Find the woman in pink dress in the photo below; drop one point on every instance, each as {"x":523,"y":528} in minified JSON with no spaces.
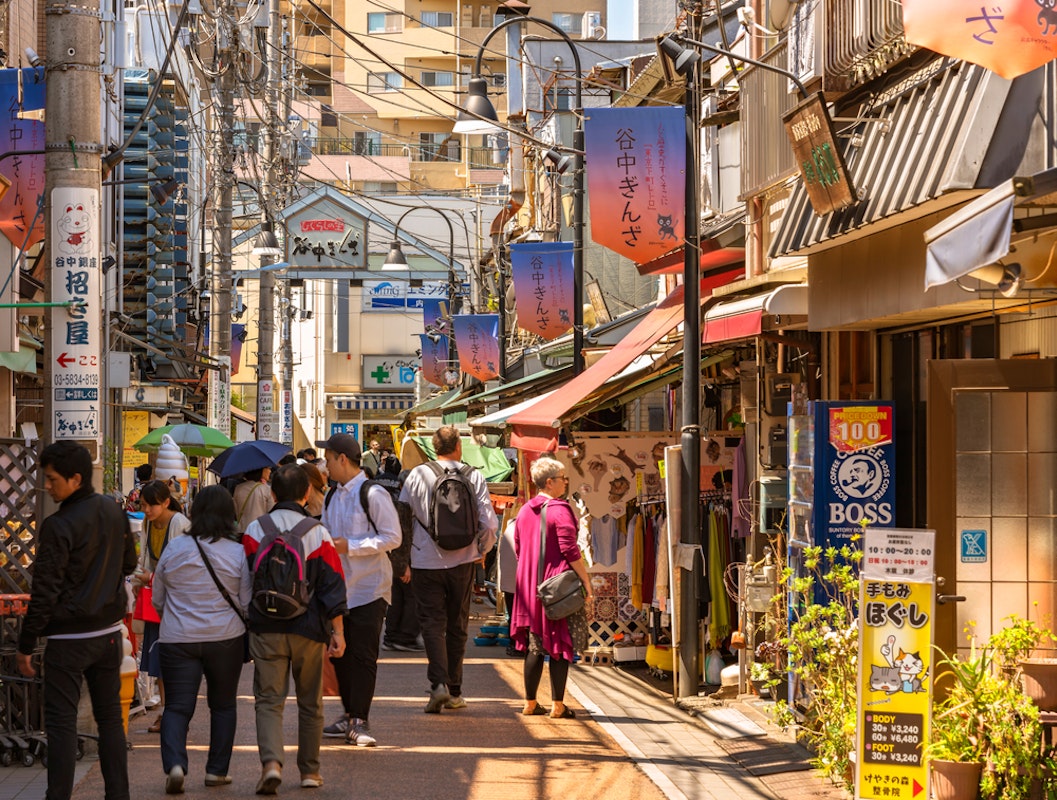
{"x":529,"y":626}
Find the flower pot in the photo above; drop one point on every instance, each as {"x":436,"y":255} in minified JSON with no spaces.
{"x":955,"y":780}
{"x":1038,"y":676}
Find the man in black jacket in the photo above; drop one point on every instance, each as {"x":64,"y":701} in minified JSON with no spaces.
{"x":78,"y":600}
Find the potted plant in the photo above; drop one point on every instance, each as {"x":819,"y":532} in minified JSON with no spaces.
{"x":762,"y":677}
{"x":1014,"y":647}
{"x":986,"y":737}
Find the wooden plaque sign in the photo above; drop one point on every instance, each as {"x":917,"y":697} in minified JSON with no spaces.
{"x":820,"y":160}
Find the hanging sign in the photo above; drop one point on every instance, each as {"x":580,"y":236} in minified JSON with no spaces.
{"x":820,"y":159}
{"x":1009,"y":38}
{"x":22,"y":90}
{"x":434,"y":309}
{"x":897,"y":602}
{"x":435,"y":351}
{"x":543,"y":287}
{"x":637,"y":179}
{"x":477,"y":340}
{"x":325,"y":233}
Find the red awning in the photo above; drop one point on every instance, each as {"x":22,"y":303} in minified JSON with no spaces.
{"x":536,"y":427}
{"x":712,"y":257}
{"x":744,"y":317}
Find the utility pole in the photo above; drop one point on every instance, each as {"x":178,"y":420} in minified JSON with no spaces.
{"x":73,"y":334}
{"x":223,"y":184}
{"x":267,"y":419}
{"x":289,"y":152}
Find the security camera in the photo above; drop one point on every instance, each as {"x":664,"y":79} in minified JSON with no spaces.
{"x":34,"y":59}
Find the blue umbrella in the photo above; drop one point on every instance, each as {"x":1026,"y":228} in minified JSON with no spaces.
{"x":248,"y":456}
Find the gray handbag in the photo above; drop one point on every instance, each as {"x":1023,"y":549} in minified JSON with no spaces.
{"x":563,"y":594}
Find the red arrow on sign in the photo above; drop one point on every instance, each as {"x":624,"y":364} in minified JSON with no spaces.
{"x":918,"y":789}
{"x":65,"y":360}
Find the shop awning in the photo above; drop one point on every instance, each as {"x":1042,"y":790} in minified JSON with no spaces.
{"x":980,"y":233}
{"x":535,"y":428}
{"x":744,"y":317}
{"x":435,"y":403}
{"x":25,"y":360}
{"x":373,"y":402}
{"x":498,"y":419}
{"x":722,"y":245}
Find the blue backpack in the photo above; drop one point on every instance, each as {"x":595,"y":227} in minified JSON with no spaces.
{"x":280,"y":584}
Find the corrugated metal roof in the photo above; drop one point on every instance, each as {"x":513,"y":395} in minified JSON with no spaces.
{"x":940,"y":121}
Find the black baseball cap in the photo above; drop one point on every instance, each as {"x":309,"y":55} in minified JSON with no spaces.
{"x":345,"y":444}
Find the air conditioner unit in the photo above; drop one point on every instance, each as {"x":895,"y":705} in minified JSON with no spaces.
{"x":591,"y":20}
{"x":176,"y":395}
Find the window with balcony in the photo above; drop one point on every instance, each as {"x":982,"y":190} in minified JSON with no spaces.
{"x":367,"y":143}
{"x":484,"y":19}
{"x":437,"y":19}
{"x":438,"y":78}
{"x":438,"y":147}
{"x":570,"y":23}
{"x":381,"y":22}
{"x":378,"y":82}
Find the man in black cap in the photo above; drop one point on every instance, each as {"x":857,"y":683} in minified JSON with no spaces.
{"x":362,"y":542}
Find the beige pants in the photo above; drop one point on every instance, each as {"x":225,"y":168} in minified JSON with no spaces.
{"x":275,"y":657}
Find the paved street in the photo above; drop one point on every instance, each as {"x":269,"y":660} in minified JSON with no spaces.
{"x":628,"y":742}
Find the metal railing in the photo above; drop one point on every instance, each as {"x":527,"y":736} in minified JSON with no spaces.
{"x":862,"y":38}
{"x":452,"y":152}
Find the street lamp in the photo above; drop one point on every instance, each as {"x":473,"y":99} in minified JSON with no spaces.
{"x":479,"y":116}
{"x":397,"y":261}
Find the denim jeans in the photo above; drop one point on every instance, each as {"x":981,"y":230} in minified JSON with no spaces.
{"x":357,"y":669}
{"x":443,"y":597}
{"x":98,"y":662}
{"x":182,"y":666}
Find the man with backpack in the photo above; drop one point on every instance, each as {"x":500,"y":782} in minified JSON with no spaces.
{"x":454,"y":527}
{"x":363,"y":521}
{"x":296,"y":615}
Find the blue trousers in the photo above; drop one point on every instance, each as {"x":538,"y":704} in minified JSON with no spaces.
{"x":182,"y":667}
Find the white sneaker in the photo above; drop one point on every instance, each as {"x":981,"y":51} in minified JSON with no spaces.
{"x":456,"y":703}
{"x":437,"y":698}
{"x":174,"y":781}
{"x":360,"y":734}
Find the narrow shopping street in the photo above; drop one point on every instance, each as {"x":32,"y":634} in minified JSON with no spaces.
{"x":628,"y":741}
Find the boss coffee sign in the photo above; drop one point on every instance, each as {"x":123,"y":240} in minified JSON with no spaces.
{"x":855,"y":469}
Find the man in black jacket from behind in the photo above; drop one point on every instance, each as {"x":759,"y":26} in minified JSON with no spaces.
{"x":78,"y":600}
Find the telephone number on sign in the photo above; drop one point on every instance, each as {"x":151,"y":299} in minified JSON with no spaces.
{"x":75,"y":379}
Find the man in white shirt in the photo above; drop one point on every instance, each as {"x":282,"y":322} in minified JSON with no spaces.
{"x":443,"y":579}
{"x":363,"y":544}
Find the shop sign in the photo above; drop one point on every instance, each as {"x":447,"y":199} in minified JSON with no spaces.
{"x":325,"y":234}
{"x":855,"y":476}
{"x":389,"y":373}
{"x":897,"y":603}
{"x":351,"y":428}
{"x":77,"y":331}
{"x":400,"y":295}
{"x":818,"y":156}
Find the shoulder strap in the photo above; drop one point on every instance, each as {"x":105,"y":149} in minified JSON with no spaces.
{"x":365,"y":489}
{"x":302,"y":527}
{"x":268,"y":525}
{"x":246,"y":501}
{"x":543,"y":544}
{"x":329,"y":496}
{"x":216,"y":580}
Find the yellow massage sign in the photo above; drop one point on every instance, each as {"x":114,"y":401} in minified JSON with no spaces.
{"x":896,"y":607}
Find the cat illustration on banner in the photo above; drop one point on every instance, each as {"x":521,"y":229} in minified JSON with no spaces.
{"x":665,"y":228}
{"x":902,"y":671}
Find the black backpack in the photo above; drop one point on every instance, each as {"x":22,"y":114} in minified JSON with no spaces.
{"x":452,"y":522}
{"x":280,"y":584}
{"x":400,"y":556}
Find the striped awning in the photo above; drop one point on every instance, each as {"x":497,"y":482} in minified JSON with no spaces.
{"x":373,"y":402}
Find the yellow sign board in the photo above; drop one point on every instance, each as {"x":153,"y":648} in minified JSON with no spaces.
{"x":137,"y":425}
{"x":895,"y":668}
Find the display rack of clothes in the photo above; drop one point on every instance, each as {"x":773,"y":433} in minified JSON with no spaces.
{"x":715,"y":516}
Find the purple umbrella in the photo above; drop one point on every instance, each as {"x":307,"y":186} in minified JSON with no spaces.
{"x":248,"y":456}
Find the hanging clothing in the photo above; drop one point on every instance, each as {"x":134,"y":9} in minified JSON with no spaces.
{"x":605,"y":540}
{"x":718,"y":558}
{"x":740,"y":506}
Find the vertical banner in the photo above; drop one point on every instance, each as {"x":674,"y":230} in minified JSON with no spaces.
{"x":543,"y":287}
{"x":897,"y":602}
{"x":22,"y":90}
{"x":77,"y":330}
{"x":477,"y":340}
{"x":854,"y":471}
{"x":434,"y":358}
{"x":637,"y":179}
{"x":137,"y":425}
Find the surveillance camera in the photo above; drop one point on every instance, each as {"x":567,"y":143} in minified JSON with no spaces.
{"x":34,"y":59}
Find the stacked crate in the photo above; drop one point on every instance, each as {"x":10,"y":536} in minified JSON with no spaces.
{"x":21,"y":699}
